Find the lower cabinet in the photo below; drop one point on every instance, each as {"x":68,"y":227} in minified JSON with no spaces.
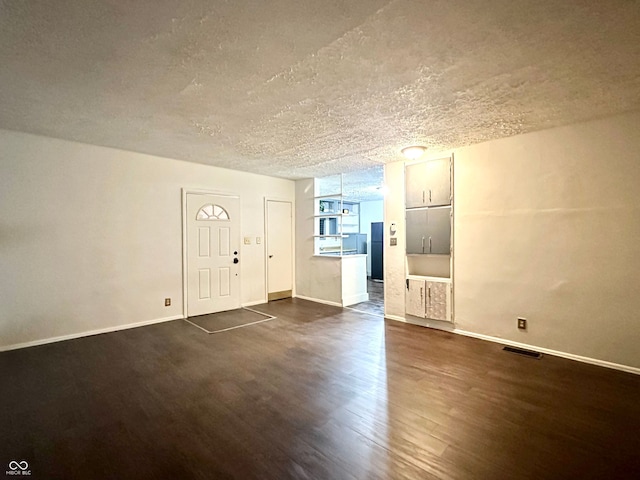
{"x":415,"y":298}
{"x":428,"y":297}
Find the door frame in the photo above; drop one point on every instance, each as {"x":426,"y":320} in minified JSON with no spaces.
{"x":185,"y":280}
{"x":266,"y":244}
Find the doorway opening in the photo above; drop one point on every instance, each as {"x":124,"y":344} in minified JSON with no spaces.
{"x":279,"y":238}
{"x":359,"y":214}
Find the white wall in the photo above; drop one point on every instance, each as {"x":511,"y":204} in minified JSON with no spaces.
{"x":394,"y":255}
{"x":371,"y":211}
{"x":91,"y":237}
{"x":547,"y":226}
{"x":354,"y":279}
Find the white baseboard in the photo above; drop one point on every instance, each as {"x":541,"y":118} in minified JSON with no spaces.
{"x":451,"y":328}
{"x":429,"y":323}
{"x":88,"y":333}
{"x":317,"y":300}
{"x":353,"y":299}
{"x":570,"y":356}
{"x":548,"y":351}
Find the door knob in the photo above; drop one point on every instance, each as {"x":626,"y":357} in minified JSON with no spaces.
{"x":235,"y":260}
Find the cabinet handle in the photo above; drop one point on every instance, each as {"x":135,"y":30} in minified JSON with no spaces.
{"x":421,"y":294}
{"x":429,"y":293}
{"x":422,"y":196}
{"x":429,"y":195}
{"x":422,"y":244}
{"x":429,"y":244}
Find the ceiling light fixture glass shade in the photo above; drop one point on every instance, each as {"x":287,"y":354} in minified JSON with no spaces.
{"x":414,"y":152}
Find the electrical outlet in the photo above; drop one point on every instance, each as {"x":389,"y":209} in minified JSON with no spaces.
{"x":258,"y":240}
{"x":522,"y":323}
{"x":247,"y":240}
{"x":167,"y":302}
{"x":393,"y":241}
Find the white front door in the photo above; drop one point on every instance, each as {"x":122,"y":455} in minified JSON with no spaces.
{"x":213,"y":253}
{"x":279,"y":250}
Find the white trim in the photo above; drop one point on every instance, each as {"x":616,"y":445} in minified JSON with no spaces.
{"x":424,"y":322}
{"x":196,"y":325}
{"x":260,"y":313}
{"x":241,"y":326}
{"x":317,"y":300}
{"x":488,"y":338}
{"x":269,"y":317}
{"x":428,"y":278}
{"x":183,"y":213}
{"x":353,"y":299}
{"x":265,"y":246}
{"x":452,"y":259}
{"x":335,"y":196}
{"x":570,"y":356}
{"x":204,"y":191}
{"x":89,"y":333}
{"x":364,"y":311}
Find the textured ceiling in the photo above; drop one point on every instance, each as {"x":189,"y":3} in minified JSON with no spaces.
{"x":359,"y":186}
{"x":300,"y":88}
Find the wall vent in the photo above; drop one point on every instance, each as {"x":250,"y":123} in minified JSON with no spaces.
{"x":526,"y":353}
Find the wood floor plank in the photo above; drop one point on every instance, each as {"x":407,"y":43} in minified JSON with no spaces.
{"x":320,"y":392}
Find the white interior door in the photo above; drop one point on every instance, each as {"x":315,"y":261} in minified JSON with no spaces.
{"x":279,"y":249}
{"x":213,"y":248}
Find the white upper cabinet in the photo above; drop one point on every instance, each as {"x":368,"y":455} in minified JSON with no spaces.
{"x":428,"y":184}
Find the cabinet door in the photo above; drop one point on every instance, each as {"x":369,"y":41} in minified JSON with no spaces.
{"x":436,"y":301}
{"x":415,"y":185}
{"x":428,"y":184}
{"x":438,"y":182}
{"x":415,"y":298}
{"x":417,"y":226}
{"x":438,"y":231}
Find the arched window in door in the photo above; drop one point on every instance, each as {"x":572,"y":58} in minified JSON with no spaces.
{"x":212,"y":212}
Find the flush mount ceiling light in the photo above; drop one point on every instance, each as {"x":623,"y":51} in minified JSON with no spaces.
{"x":414,"y":152}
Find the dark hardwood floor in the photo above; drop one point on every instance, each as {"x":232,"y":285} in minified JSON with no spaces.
{"x":318,"y":393}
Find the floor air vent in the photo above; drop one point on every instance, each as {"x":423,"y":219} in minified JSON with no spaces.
{"x":521,"y":351}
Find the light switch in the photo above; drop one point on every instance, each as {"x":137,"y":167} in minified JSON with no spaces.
{"x":247,"y":240}
{"x":258,"y":240}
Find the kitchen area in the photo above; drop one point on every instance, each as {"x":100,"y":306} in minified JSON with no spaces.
{"x":350,"y":241}
{"x":345,"y":207}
